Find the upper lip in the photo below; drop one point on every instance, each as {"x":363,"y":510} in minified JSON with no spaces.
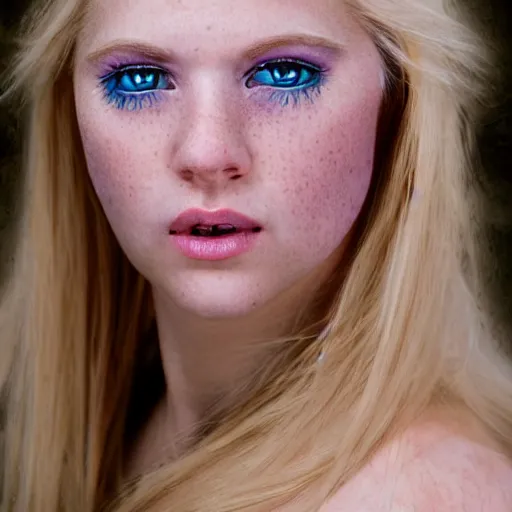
{"x":186,"y":220}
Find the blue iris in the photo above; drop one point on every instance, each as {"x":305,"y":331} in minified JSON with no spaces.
{"x":137,"y":86}
{"x":287,"y":74}
{"x":292,"y":80}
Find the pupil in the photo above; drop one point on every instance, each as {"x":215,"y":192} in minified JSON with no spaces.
{"x":285,"y":73}
{"x":139,"y":80}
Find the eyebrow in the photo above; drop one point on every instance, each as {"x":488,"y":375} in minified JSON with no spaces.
{"x":267,"y":45}
{"x":251,"y":53}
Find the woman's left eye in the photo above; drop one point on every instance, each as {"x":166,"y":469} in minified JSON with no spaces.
{"x":285,"y":74}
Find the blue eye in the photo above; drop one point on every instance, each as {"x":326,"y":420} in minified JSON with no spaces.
{"x":135,"y":87}
{"x":291,"y":80}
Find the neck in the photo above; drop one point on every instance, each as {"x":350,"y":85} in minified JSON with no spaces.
{"x":206,"y":360}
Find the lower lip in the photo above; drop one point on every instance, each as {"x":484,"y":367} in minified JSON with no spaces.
{"x":215,"y":248}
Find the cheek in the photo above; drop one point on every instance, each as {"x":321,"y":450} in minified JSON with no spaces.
{"x":327,"y":176}
{"x":337,"y":180}
{"x":100,"y":156}
{"x":120,"y":181}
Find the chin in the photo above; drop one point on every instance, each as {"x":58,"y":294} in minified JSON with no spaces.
{"x":218,"y":295}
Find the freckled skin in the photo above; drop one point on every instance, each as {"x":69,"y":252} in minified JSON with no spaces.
{"x":304,"y":171}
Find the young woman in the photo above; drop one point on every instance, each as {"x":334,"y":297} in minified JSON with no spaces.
{"x":247,"y":272}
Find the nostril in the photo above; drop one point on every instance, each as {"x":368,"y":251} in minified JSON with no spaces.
{"x":187,"y":175}
{"x":234,"y":173}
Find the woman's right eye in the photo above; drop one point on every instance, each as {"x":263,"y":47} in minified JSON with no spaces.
{"x":135,"y":87}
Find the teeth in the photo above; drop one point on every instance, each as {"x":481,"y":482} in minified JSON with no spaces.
{"x":223,"y":229}
{"x":201,"y":230}
{"x":217,"y":230}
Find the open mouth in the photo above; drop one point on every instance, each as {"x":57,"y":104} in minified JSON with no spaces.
{"x":216,"y":230}
{"x":214,"y":235}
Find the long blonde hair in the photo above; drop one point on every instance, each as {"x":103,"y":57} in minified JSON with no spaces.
{"x":408,"y":324}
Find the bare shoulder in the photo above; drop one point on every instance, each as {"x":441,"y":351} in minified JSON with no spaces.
{"x":430,"y":469}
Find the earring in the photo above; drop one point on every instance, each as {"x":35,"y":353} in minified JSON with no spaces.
{"x":320,"y":338}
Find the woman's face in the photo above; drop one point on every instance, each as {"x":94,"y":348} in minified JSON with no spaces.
{"x":263,"y":107}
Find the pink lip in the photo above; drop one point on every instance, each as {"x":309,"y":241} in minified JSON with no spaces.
{"x":214,"y":248}
{"x":189,"y":218}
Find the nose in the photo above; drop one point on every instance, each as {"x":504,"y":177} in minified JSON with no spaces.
{"x":212,"y":149}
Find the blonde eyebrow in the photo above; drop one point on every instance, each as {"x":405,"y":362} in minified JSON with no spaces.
{"x":267,"y":45}
{"x":153,"y":52}
{"x":252,"y":52}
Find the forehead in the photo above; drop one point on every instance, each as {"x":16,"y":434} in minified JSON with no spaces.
{"x":215,"y":24}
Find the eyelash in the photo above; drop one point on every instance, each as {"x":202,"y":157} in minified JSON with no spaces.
{"x":285,"y":96}
{"x":295,"y":94}
{"x":136,"y":100}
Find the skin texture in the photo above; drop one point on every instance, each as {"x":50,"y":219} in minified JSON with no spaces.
{"x":444,"y":463}
{"x":302,"y":171}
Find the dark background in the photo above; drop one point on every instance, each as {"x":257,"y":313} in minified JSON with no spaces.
{"x":495,"y":140}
